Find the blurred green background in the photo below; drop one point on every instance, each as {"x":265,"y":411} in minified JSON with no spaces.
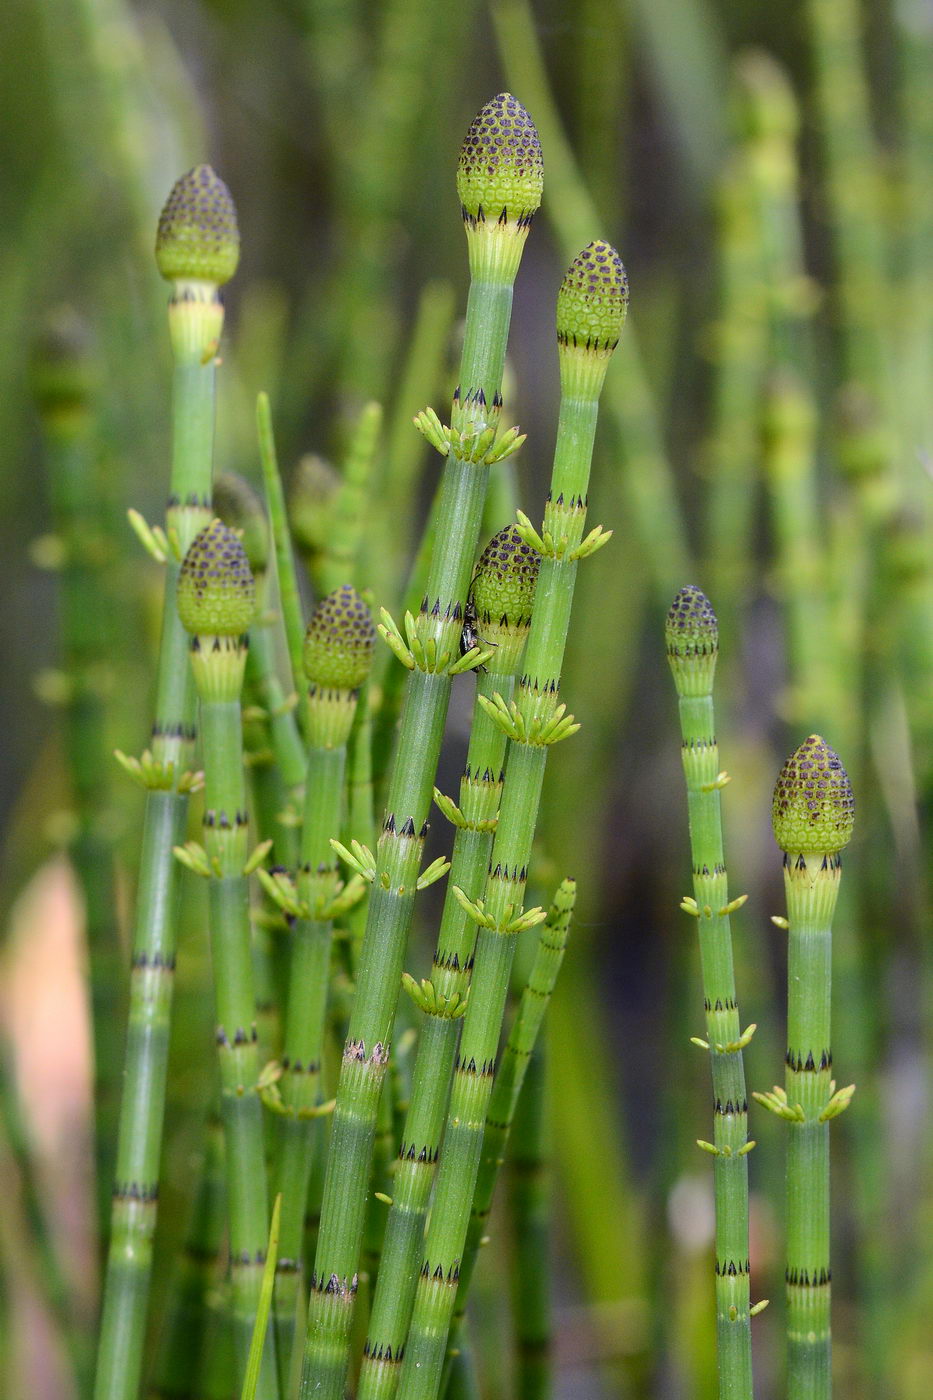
{"x":767,"y":174}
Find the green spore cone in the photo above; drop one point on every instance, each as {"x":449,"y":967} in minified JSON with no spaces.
{"x":500,"y":178}
{"x":813,"y":808}
{"x":691,"y":633}
{"x":216,"y":588}
{"x":337,"y":657}
{"x":501,"y":169}
{"x":591,"y":308}
{"x":338,"y":648}
{"x":198,"y":239}
{"x":503,"y":592}
{"x":240,"y":508}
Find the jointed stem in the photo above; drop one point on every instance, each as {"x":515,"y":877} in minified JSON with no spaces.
{"x":401,"y":1256}
{"x":129,"y":1262}
{"x":398,"y":861}
{"x":723,"y":1030}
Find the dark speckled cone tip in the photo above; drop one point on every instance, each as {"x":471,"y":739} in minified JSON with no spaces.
{"x":813,"y":809}
{"x":500,"y":174}
{"x":691,"y":633}
{"x":504,"y":582}
{"x":502,"y":595}
{"x":338,"y":648}
{"x":593,"y":299}
{"x":216,"y":588}
{"x":198,"y":239}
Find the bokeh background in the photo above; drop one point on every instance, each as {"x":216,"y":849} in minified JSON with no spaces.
{"x":767,"y":174}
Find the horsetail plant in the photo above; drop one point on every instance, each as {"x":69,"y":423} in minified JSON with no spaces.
{"x":692,"y":637}
{"x":499,"y":616}
{"x":812,"y":816}
{"x":216,"y":604}
{"x":591,"y":307}
{"x":197,"y":249}
{"x":499,"y":183}
{"x":337,"y":657}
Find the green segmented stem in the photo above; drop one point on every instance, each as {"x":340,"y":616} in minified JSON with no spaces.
{"x":812,"y":816}
{"x":225,"y":841}
{"x":399,"y":849}
{"x":692,"y":640}
{"x":584,"y":358}
{"x":507,"y":1095}
{"x":480,"y":788}
{"x":808,"y":1075}
{"x":129,"y":1260}
{"x":305,"y":1022}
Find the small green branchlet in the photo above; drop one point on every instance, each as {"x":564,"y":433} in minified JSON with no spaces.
{"x":197,"y":250}
{"x":591,"y":309}
{"x":502,"y":594}
{"x":500,"y":177}
{"x":337,"y":656}
{"x":691,"y":632}
{"x":216,"y":604}
{"x":239,"y":507}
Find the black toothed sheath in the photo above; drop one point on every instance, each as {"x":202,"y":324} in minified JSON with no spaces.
{"x":197,"y":249}
{"x":692,"y":637}
{"x":591,"y":310}
{"x":499,"y":184}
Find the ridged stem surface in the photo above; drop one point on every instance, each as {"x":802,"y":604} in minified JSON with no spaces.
{"x":507,"y":1094}
{"x":811,"y":898}
{"x":398,"y":861}
{"x":700,"y":755}
{"x":139,"y":1141}
{"x":225,"y":841}
{"x":538,"y":699}
{"x":305,"y":1026}
{"x":480,"y":788}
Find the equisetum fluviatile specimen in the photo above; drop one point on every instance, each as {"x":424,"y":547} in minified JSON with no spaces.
{"x":217,"y":603}
{"x":197,"y":250}
{"x":591,"y":307}
{"x":812,"y":815}
{"x":692,"y":637}
{"x":499,"y":184}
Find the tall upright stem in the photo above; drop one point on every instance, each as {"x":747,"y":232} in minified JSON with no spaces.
{"x":434,"y":651}
{"x":692,"y":644}
{"x":165,"y":773}
{"x":589,"y":325}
